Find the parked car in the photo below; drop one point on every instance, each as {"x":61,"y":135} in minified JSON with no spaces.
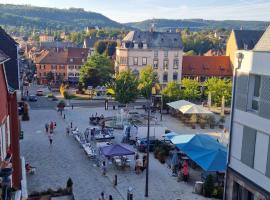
{"x":40,"y":93}
{"x":141,"y":144}
{"x":33,"y":98}
{"x":54,"y":98}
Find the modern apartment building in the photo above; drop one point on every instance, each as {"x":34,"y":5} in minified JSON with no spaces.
{"x":248,"y":175}
{"x":162,"y":50}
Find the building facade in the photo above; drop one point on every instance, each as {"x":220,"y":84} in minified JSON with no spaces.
{"x":162,"y":50}
{"x":46,"y":38}
{"x":248,"y":175}
{"x":64,"y":64}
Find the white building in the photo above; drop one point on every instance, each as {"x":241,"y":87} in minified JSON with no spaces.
{"x":248,"y":175}
{"x":162,"y":50}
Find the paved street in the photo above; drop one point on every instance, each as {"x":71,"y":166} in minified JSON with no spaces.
{"x":64,"y":159}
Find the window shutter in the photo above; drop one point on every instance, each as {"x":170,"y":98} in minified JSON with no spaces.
{"x":241,"y":93}
{"x":264,"y":104}
{"x":248,"y":146}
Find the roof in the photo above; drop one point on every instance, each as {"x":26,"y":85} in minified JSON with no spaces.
{"x":52,"y":57}
{"x":155,"y":39}
{"x":264,"y":42}
{"x":62,"y":56}
{"x":206,"y":66}
{"x":247,"y":39}
{"x":3,"y":57}
{"x":9,"y":47}
{"x":56,"y":44}
{"x":90,"y":41}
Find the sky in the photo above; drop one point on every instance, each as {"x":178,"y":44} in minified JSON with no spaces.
{"x":139,"y":10}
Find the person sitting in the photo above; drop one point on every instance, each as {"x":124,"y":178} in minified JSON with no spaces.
{"x":29,"y":169}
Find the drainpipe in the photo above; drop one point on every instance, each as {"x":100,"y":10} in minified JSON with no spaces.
{"x":240,"y":57}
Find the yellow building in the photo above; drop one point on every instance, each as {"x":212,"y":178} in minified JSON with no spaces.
{"x":241,"y":40}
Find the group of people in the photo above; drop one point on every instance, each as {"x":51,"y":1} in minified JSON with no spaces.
{"x":49,"y":128}
{"x":95,"y":119}
{"x":183,"y":171}
{"x":140,"y":165}
{"x":102,"y":197}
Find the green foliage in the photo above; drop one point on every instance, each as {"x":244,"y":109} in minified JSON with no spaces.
{"x":98,"y":70}
{"x":105,"y":47}
{"x":190,"y":89}
{"x":172,"y":92}
{"x":147,"y":81}
{"x":209,"y":186}
{"x":190,"y":53}
{"x":126,"y":87}
{"x":218,"y":88}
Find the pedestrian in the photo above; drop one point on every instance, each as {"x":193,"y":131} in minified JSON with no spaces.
{"x":101,"y":196}
{"x":54,"y":125}
{"x":144,"y":161}
{"x":185,"y":171}
{"x":50,"y":138}
{"x":27,"y":92}
{"x":103,"y":167}
{"x":51,"y":127}
{"x":67,"y":130}
{"x":110,"y":197}
{"x":47,"y":127}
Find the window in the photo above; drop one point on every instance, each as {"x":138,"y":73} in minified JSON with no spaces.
{"x":165,"y":77}
{"x":62,"y":67}
{"x":165,"y":64}
{"x":144,"y":61}
{"x":240,"y":193}
{"x":77,"y":74}
{"x":42,"y":66}
{"x":44,"y":73}
{"x":255,"y":86}
{"x":83,"y":60}
{"x":79,"y":67}
{"x":248,"y":146}
{"x":175,"y":76}
{"x":70,"y":66}
{"x":155,"y":64}
{"x":123,"y":60}
{"x":155,"y":53}
{"x":53,"y":67}
{"x":175,"y":63}
{"x":70,"y":74}
{"x":71,"y":59}
{"x":165,"y":53}
{"x":135,"y":61}
{"x":136,"y":73}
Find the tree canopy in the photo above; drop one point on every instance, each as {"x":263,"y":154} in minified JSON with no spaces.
{"x":172,"y":92}
{"x":106,"y":47}
{"x":126,"y":87}
{"x":147,"y":81}
{"x":98,"y":70}
{"x":218,"y":88}
{"x":190,"y":89}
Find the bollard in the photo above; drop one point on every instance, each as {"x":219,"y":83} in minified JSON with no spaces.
{"x":115,"y":180}
{"x":64,"y":116}
{"x":70,"y":124}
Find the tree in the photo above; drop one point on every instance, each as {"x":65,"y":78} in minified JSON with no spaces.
{"x":98,"y":70}
{"x":126,"y":87}
{"x":190,"y":89}
{"x":218,"y":88}
{"x":100,"y":46}
{"x":172,"y":92}
{"x":111,"y":48}
{"x":147,"y":81}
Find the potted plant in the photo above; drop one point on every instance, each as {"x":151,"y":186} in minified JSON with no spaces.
{"x":193,"y":121}
{"x":221,"y":122}
{"x":208,"y":186}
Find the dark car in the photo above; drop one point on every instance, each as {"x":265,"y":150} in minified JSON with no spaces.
{"x":32,"y":98}
{"x":54,"y":98}
{"x":141,"y":144}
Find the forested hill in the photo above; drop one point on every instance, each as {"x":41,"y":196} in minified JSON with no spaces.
{"x":199,"y":24}
{"x":42,"y":18}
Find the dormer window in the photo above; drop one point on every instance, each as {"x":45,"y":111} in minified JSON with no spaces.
{"x":165,"y":53}
{"x":83,"y":60}
{"x":71,"y":60}
{"x":140,"y":45}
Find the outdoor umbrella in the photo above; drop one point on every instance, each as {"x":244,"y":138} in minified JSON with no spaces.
{"x":180,"y":140}
{"x":194,"y":109}
{"x":116,"y":150}
{"x":178,"y":104}
{"x":169,"y":136}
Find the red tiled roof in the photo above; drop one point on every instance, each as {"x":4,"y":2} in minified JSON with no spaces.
{"x":206,"y":66}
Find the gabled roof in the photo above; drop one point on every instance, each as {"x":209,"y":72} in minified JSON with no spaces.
{"x":206,"y":66}
{"x":264,"y":43}
{"x":247,"y":39}
{"x":155,"y":39}
{"x":52,"y":57}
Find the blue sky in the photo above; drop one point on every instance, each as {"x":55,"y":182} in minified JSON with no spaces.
{"x":138,"y":10}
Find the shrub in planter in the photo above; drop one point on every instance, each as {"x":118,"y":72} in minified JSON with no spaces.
{"x":208,"y":186}
{"x":211,"y":121}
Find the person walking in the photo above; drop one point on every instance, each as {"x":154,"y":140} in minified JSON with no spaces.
{"x":110,"y":197}
{"x":50,"y":138}
{"x":101,"y":196}
{"x":103,"y":167}
{"x":185,"y":171}
{"x":47,"y":127}
{"x":51,"y":127}
{"x":144,"y":161}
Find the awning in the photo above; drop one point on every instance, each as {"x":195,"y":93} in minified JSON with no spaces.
{"x":194,"y":109}
{"x":178,"y":104}
{"x":116,"y":150}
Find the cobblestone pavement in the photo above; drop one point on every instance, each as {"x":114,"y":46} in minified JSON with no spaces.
{"x":66,"y":159}
{"x":62,"y":160}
